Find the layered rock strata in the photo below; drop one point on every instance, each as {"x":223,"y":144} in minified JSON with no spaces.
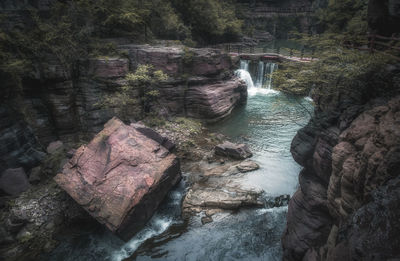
{"x":346,"y":206}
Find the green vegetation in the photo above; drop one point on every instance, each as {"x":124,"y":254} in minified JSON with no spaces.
{"x":344,"y":16}
{"x":140,"y":91}
{"x":77,"y":29}
{"x":337,"y":71}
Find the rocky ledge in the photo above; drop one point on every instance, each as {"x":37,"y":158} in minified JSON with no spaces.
{"x":121,"y":176}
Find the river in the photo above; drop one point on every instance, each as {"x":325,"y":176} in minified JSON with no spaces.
{"x":267,"y":123}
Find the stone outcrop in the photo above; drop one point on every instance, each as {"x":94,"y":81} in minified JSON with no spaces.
{"x":64,"y":107}
{"x":120,"y":177}
{"x":235,"y":151}
{"x":349,"y":188}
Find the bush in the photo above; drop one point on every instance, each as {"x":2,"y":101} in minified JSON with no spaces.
{"x":139,"y":92}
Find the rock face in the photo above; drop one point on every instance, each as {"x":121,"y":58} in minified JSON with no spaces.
{"x":64,"y":107}
{"x":347,"y":203}
{"x":120,"y":177}
{"x":209,"y":92}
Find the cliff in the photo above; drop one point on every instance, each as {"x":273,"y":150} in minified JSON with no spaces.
{"x":345,"y":208}
{"x":55,"y":105}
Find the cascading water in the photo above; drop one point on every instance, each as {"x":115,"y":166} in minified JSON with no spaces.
{"x":262,"y":75}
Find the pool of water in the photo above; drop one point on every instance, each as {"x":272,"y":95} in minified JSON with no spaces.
{"x":267,"y":123}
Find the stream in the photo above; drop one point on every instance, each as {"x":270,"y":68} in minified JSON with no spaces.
{"x":268,"y":123}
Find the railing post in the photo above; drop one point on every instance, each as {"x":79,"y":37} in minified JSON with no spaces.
{"x":372,"y":43}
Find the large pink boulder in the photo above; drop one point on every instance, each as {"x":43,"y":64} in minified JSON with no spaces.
{"x":120,"y":177}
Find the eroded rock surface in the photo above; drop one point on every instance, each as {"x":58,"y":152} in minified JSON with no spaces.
{"x":346,"y":206}
{"x":120,"y":177}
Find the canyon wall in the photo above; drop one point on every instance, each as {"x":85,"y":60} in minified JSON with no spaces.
{"x":57,"y":106}
{"x":346,"y":207}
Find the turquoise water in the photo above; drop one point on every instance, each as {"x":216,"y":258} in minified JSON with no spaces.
{"x":268,"y":123}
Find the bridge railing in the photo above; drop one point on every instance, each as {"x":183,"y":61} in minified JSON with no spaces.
{"x":284,"y":10}
{"x":389,"y":46}
{"x":289,"y":52}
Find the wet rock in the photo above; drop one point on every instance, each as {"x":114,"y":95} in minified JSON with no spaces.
{"x":206,"y":220}
{"x":229,"y":198}
{"x":247,"y":166}
{"x":235,"y":151}
{"x":14,"y":181}
{"x":54,"y":146}
{"x":134,"y":171}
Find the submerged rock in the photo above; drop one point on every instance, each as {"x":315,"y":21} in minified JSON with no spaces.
{"x":235,"y":151}
{"x":120,"y":177}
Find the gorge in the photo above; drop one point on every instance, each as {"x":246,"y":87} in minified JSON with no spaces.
{"x":196,"y":130}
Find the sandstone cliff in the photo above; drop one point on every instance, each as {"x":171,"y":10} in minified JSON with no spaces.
{"x":347,"y":205}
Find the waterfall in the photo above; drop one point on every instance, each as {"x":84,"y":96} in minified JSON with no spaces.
{"x":271,"y":67}
{"x":261,"y":73}
{"x":245,"y":76}
{"x":244,"y":65}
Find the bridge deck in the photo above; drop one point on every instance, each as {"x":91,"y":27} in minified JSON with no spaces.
{"x":272,"y":56}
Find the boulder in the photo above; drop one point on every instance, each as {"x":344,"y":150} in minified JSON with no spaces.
{"x":14,"y":181}
{"x":120,"y":177}
{"x":235,"y":151}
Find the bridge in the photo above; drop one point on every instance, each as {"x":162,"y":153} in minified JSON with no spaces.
{"x":267,"y":54}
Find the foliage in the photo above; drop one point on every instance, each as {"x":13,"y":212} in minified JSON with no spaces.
{"x":337,"y":71}
{"x":344,"y":16}
{"x":140,"y":90}
{"x":210,"y":20}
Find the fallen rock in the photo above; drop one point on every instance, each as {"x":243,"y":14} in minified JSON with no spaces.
{"x":120,"y":177}
{"x":14,"y":181}
{"x":54,"y":146}
{"x":235,"y":151}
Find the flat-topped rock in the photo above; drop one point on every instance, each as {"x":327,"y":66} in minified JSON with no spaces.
{"x":120,"y":177}
{"x":235,"y":151}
